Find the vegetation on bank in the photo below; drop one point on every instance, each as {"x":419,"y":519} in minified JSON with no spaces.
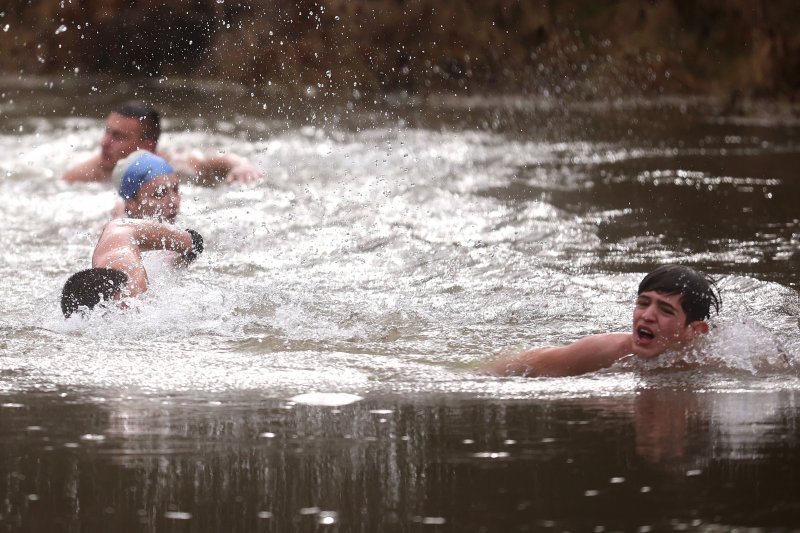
{"x":565,"y":48}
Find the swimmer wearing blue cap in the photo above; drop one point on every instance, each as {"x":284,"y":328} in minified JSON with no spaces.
{"x":117,"y":270}
{"x":148,"y":186}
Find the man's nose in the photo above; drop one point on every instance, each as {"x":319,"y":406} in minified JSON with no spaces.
{"x":649,"y":313}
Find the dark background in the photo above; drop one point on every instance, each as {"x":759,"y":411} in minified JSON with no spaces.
{"x":578,"y":48}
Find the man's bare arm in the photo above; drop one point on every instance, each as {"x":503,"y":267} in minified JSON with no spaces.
{"x":152,"y":235}
{"x":123,"y":241}
{"x":211,"y":170}
{"x":588,"y":354}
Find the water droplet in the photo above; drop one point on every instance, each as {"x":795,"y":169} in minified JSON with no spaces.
{"x":327,"y":518}
{"x":490,"y":455}
{"x":61,"y":29}
{"x":431,"y":520}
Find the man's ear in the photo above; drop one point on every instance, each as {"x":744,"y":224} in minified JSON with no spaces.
{"x":130,"y":206}
{"x":698,"y":327}
{"x":148,"y":144}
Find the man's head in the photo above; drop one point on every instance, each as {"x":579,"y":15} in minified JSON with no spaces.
{"x":88,"y":288}
{"x":131,"y":126}
{"x":671,"y":308}
{"x":148,"y":185}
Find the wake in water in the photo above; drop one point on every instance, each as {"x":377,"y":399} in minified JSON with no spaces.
{"x":397,"y":257}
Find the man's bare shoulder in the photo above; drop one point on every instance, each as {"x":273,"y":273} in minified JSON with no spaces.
{"x":88,"y":171}
{"x":606,"y":342}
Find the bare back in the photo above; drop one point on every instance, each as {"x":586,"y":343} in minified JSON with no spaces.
{"x":124,"y":239}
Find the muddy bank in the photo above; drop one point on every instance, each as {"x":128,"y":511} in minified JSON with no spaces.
{"x":577,"y":48}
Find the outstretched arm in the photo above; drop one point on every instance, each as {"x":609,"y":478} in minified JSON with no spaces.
{"x":207,"y":170}
{"x":211,"y":170}
{"x":124,"y":239}
{"x":582,"y":356}
{"x":153,"y":235}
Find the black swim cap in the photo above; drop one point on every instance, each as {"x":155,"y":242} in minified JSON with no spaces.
{"x":88,"y":288}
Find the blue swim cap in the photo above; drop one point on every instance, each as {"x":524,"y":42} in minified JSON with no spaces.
{"x":136,"y":170}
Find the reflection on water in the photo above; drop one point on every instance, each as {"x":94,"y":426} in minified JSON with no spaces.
{"x":659,"y":458}
{"x":393,"y":247}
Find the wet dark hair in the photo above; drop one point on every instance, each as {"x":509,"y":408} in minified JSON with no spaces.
{"x":88,"y":288}
{"x":699,"y":292}
{"x":147,"y":115}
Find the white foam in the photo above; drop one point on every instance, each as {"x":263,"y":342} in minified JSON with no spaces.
{"x":327,"y":399}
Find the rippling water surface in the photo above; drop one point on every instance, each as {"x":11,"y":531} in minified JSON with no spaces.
{"x":316,"y":367}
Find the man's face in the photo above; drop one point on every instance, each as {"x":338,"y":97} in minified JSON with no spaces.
{"x":659,"y":323}
{"x":159,"y":198}
{"x":123,"y":136}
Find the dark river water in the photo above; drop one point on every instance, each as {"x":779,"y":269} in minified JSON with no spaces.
{"x":316,"y":369}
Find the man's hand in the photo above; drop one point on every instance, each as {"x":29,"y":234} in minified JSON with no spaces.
{"x":210,"y":171}
{"x":243,"y":172}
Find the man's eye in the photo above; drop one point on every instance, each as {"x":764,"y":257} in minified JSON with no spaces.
{"x":160,"y":192}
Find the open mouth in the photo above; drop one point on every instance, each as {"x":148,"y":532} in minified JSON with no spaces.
{"x":644,"y":334}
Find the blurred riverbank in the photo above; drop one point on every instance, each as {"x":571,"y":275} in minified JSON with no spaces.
{"x":340,"y":49}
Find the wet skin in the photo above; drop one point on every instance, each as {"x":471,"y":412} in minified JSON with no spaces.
{"x":159,"y":198}
{"x":122,"y":137}
{"x":124,"y":240}
{"x":659,"y":323}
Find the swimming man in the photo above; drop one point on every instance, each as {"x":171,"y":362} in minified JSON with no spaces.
{"x":117,"y":271}
{"x":148,"y":186}
{"x":135,"y":126}
{"x":671,"y":310}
